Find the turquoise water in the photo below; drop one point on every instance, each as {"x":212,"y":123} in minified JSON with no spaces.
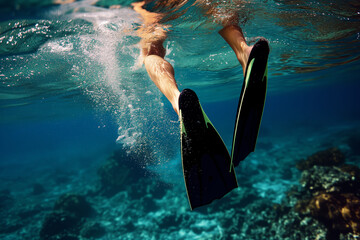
{"x":73,"y":91}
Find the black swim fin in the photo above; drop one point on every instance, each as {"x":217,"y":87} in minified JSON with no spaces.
{"x":205,"y":159}
{"x":251,"y":103}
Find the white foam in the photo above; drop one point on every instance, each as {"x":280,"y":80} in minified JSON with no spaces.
{"x":104,"y":64}
{"x":60,"y":46}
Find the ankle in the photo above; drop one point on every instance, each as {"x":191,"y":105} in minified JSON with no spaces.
{"x":243,"y":55}
{"x":234,"y":36}
{"x":175,"y":102}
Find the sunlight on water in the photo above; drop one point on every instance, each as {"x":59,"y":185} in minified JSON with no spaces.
{"x":120,"y":86}
{"x":80,"y":118}
{"x":110,"y":74}
{"x":81,"y":48}
{"x":102,"y":62}
{"x":328,"y":38}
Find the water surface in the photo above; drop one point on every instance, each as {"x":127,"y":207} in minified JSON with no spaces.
{"x":72,"y":90}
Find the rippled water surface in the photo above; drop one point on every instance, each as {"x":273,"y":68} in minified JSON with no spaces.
{"x":86,"y":54}
{"x":73,"y":90}
{"x":309,"y":40}
{"x":58,"y":58}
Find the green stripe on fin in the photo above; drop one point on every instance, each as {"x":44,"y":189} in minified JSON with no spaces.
{"x":266,"y":72}
{"x":237,"y":117}
{"x":182,"y":126}
{"x":249,"y":72}
{"x":207,"y":120}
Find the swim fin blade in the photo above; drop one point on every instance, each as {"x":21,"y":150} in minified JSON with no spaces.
{"x":251,"y":103}
{"x":205,"y":159}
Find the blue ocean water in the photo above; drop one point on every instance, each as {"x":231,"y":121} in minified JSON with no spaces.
{"x":73,"y":94}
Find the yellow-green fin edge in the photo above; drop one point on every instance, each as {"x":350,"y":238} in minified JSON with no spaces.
{"x":247,"y":77}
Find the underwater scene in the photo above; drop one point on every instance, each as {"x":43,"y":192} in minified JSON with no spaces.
{"x":90,"y":148}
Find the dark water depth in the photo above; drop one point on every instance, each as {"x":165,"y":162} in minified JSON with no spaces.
{"x":90,"y":149}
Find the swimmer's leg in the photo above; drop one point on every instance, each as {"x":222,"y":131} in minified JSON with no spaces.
{"x":162,"y":73}
{"x":234,"y":36}
{"x":153,"y":35}
{"x":231,"y":31}
{"x":252,"y":97}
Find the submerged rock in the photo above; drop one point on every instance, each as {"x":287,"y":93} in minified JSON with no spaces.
{"x":92,"y":230}
{"x":123,"y":170}
{"x":75,"y":204}
{"x":69,"y":214}
{"x":61,"y":225}
{"x":113,"y":177}
{"x":329,"y":157}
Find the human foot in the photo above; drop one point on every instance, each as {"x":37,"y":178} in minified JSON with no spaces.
{"x":243,"y":56}
{"x":175,"y":102}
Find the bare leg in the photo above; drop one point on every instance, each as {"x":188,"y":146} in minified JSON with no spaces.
{"x":232,"y":33}
{"x":160,"y":71}
{"x":162,"y":74}
{"x":234,"y":37}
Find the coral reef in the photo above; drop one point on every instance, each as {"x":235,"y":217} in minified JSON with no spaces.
{"x":128,"y":202}
{"x":339,"y":211}
{"x":329,"y":179}
{"x":331,"y":194}
{"x":328,"y":157}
